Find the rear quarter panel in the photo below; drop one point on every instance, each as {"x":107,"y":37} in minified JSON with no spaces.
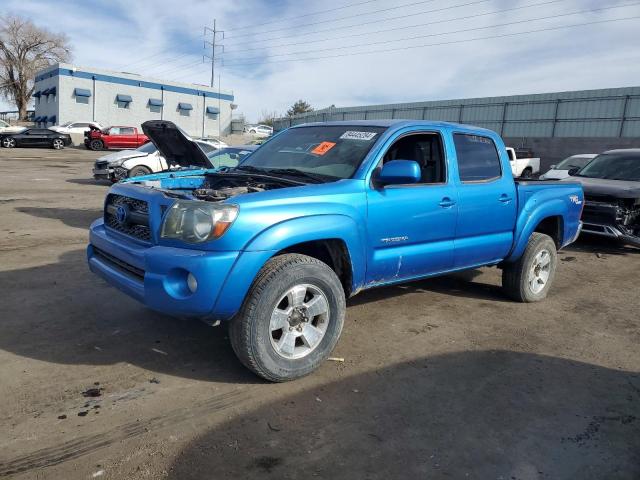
{"x":538,"y":200}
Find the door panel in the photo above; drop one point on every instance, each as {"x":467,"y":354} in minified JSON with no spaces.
{"x":410,"y":233}
{"x":487,"y":202}
{"x":411,"y":228}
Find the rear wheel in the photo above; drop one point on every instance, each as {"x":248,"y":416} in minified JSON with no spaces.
{"x":530,"y":278}
{"x":291,"y":319}
{"x":57,"y":144}
{"x":139,"y":171}
{"x":96,"y":145}
{"x":8,"y":142}
{"x":527,"y":173}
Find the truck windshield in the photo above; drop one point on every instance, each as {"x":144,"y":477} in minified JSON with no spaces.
{"x":327,"y":152}
{"x":613,"y":166}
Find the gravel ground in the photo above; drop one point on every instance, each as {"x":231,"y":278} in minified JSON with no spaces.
{"x":443,"y":378}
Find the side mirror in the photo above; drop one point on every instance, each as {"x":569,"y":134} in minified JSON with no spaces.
{"x":573,"y":171}
{"x":399,"y":172}
{"x":552,"y":167}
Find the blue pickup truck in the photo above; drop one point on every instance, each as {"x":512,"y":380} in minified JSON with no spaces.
{"x":317,"y":214}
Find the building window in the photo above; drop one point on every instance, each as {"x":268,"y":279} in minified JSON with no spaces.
{"x":185,"y":109}
{"x":213,"y":112}
{"x":123,"y":101}
{"x":155,"y":105}
{"x":82,"y":95}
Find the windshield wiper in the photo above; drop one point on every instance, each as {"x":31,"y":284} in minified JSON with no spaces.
{"x":299,"y":173}
{"x":250,"y":168}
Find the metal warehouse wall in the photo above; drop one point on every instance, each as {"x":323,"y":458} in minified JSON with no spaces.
{"x":101,"y":106}
{"x":612,"y":112}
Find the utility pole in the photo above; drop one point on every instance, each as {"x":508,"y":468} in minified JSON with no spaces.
{"x":214,"y":46}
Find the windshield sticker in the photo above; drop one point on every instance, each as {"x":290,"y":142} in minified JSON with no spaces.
{"x":352,"y":135}
{"x":323,"y":148}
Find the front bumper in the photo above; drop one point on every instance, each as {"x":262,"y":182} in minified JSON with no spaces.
{"x":611,"y":231}
{"x":103,"y":173}
{"x":157,"y":275}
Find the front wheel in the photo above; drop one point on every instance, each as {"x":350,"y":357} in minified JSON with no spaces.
{"x":138,"y":171}
{"x":57,"y":144}
{"x":529,"y":279}
{"x":96,"y":145}
{"x":291,"y":319}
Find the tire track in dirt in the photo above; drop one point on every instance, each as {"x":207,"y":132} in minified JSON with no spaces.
{"x":78,"y":447}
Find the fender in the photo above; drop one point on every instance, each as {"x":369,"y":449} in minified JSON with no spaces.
{"x":284,"y":235}
{"x":530,"y":218}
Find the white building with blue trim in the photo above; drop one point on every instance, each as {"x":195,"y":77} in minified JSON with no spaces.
{"x":68,"y":93}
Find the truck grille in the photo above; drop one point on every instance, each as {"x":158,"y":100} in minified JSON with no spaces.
{"x":128,"y":215}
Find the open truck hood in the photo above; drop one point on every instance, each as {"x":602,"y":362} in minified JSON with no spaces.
{"x":175,"y":145}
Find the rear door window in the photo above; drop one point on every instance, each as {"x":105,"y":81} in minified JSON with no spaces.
{"x":478,"y":159}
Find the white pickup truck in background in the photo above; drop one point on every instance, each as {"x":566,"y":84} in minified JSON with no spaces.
{"x":522,"y":164}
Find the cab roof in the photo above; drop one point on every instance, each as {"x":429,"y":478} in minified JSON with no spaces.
{"x":395,"y":124}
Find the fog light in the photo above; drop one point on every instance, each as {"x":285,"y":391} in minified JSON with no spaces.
{"x":192,"y":283}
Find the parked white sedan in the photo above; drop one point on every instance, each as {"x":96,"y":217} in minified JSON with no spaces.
{"x":76,"y":127}
{"x":562,"y":169}
{"x":260,"y":130}
{"x":132,"y":163}
{"x":8,"y":128}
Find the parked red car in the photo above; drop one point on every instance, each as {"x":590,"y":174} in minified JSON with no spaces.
{"x":114,"y":137}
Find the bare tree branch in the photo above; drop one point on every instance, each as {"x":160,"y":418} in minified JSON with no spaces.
{"x":24,"y":50}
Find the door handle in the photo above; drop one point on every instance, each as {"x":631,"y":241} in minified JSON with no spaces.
{"x":504,"y":198}
{"x":446,"y":202}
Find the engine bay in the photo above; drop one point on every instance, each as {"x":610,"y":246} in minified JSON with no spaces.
{"x":217,"y":187}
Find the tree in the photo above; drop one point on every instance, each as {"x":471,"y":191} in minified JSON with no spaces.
{"x":24,"y":50}
{"x":268,"y":118}
{"x":299,"y":107}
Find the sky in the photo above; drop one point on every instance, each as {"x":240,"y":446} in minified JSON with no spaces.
{"x":355,"y":52}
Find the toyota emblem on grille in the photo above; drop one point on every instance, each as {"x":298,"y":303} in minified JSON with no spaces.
{"x":122,"y":214}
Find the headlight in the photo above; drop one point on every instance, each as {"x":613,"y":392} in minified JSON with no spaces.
{"x":116,"y":163}
{"x":197,"y":221}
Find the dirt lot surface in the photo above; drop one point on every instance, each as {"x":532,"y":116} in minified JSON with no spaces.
{"x":442,"y":378}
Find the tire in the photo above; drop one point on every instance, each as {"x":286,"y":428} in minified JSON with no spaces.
{"x":138,"y":171}
{"x":525,"y":280}
{"x":96,"y":145}
{"x":8,"y":142}
{"x":253,"y":334}
{"x":57,"y":144}
{"x":252,"y":131}
{"x":527,"y":173}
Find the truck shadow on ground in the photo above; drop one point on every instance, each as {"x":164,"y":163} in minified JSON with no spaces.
{"x":88,"y":181}
{"x":482,"y":414}
{"x":62,"y":313}
{"x":72,"y":217}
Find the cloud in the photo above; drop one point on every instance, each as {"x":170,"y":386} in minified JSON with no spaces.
{"x":165,"y":39}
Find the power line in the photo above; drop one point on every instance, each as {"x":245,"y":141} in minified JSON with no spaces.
{"x":451,"y":42}
{"x":466,"y":17}
{"x":399,"y":17}
{"x":416,"y":37}
{"x":338,"y":19}
{"x":302,"y":16}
